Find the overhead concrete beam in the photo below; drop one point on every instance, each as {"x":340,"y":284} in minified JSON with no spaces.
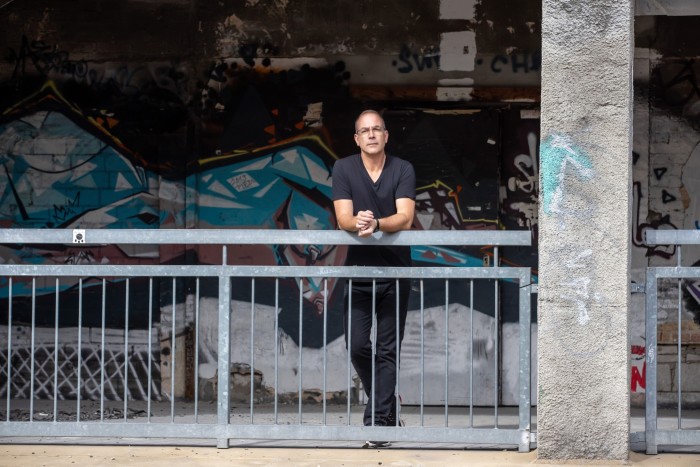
{"x":667,"y":8}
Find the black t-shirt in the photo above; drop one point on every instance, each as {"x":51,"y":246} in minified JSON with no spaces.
{"x":397,"y":180}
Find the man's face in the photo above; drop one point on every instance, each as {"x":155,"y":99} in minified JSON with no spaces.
{"x":370,"y":134}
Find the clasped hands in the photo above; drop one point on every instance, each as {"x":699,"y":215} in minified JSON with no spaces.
{"x":365,"y":223}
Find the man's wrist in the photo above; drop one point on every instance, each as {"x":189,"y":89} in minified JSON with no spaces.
{"x":376,"y":228}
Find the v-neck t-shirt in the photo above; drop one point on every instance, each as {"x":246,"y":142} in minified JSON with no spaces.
{"x":352,"y":181}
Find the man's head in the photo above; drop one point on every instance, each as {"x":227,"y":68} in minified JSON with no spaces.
{"x":370,"y":133}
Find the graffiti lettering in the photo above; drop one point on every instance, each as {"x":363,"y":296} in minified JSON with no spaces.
{"x":639,"y":379}
{"x":52,"y":63}
{"x":61,"y":213}
{"x":526,"y":164}
{"x":525,"y":182}
{"x":663,"y":222}
{"x":45,"y":60}
{"x":420,"y":61}
{"x":79,"y":257}
{"x":524,"y":62}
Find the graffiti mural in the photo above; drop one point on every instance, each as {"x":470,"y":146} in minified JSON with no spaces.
{"x":56,"y":164}
{"x":520,"y":173}
{"x":252,"y":145}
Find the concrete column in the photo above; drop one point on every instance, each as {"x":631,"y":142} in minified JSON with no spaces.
{"x":584,"y":237}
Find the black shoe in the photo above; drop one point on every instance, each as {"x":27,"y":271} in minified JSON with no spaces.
{"x":392,"y":422}
{"x":376,"y":444}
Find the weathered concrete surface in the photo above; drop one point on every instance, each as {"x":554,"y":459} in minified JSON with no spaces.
{"x":40,"y":455}
{"x":586,"y":128}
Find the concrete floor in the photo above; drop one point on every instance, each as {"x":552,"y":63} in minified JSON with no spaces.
{"x":15,"y":451}
{"x":31,"y":455}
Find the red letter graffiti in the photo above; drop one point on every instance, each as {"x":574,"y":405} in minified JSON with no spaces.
{"x":637,"y":378}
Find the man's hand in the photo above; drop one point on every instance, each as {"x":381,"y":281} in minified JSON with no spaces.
{"x":365,"y":223}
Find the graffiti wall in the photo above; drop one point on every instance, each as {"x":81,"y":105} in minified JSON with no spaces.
{"x":665,"y":179}
{"x":242,"y":131}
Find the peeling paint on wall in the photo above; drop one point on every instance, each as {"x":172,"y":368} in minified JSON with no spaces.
{"x":457,"y":51}
{"x":446,"y":94}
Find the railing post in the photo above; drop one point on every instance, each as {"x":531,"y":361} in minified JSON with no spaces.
{"x":524,"y":363}
{"x":223,"y":406}
{"x":650,"y":383}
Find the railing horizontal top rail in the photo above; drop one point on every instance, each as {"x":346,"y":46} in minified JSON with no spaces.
{"x":352,"y":272}
{"x":262,"y":237}
{"x":672,"y":237}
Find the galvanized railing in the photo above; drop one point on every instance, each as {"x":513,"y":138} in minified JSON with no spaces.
{"x":680,"y":435}
{"x":257,"y":418}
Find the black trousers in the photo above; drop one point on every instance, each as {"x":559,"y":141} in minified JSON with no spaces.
{"x":358,"y":328}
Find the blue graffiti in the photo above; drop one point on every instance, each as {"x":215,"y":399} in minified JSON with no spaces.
{"x":557,"y":152}
{"x":264,"y":192}
{"x":420,"y":62}
{"x":79,"y":174}
{"x":524,"y":62}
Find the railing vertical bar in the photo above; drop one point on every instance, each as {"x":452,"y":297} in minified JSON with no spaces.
{"x":172,"y":353}
{"x":301,"y":344}
{"x":31,"y":370}
{"x":679,"y":369}
{"x":422,"y":353}
{"x":150,"y":346}
{"x":348,"y":320}
{"x":325,"y":347}
{"x":277,"y":342}
{"x":374,"y":347}
{"x":9,"y":348}
{"x":398,"y":352}
{"x":126,"y":348}
{"x":496,"y":332}
{"x":447,"y":350}
{"x":679,"y":357}
{"x":471,"y":353}
{"x":224,"y":350}
{"x":80,"y":349}
{"x":679,"y":259}
{"x":55,"y":355}
{"x":102,"y":349}
{"x":196,"y":351}
{"x":252,"y":346}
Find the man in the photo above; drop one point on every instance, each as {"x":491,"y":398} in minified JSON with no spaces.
{"x":373,"y":192}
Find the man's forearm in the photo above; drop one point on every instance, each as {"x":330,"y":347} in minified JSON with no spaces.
{"x":348,"y":223}
{"x":395,"y":223}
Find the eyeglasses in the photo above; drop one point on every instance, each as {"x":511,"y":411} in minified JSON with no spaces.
{"x":364,"y":131}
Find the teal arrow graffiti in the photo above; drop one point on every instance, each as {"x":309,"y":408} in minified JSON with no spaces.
{"x":557,"y":152}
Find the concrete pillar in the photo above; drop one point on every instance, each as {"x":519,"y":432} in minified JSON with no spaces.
{"x":584,"y":237}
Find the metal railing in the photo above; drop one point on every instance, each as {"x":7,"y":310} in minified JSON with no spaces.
{"x":263,"y":415}
{"x":654,"y":435}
